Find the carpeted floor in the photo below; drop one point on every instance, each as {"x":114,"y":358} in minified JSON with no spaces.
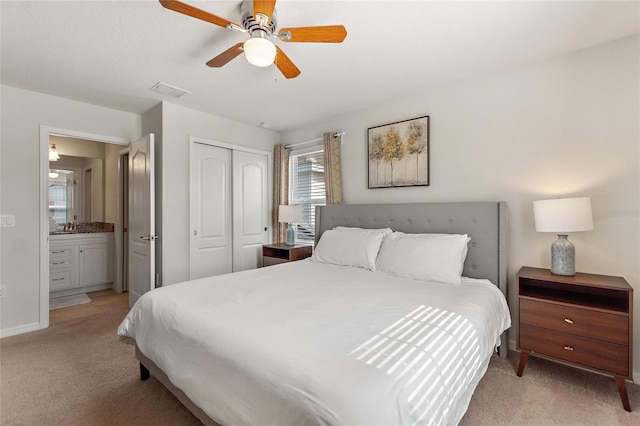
{"x":78,"y":373}
{"x":548,"y":394}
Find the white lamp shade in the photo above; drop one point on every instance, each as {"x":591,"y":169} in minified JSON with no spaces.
{"x":563,"y":215}
{"x":290,"y":214}
{"x":260,"y":52}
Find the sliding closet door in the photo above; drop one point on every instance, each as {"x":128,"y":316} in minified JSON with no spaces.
{"x":211,"y":211}
{"x":250,"y":209}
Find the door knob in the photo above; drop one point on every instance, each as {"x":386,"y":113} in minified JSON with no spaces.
{"x":265,"y":229}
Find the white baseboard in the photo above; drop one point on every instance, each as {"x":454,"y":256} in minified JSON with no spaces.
{"x":20,"y":330}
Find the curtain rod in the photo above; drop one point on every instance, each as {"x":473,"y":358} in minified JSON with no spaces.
{"x":335,"y":135}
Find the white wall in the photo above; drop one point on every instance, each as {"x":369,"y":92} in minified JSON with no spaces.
{"x":179,"y":124}
{"x":568,"y":126}
{"x":22,"y":113}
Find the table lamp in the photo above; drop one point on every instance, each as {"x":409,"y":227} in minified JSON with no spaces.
{"x":563,"y":215}
{"x":290,"y":215}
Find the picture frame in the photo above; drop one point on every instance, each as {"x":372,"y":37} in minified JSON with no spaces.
{"x":398,"y":154}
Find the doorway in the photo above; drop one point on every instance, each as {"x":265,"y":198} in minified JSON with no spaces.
{"x":46,"y":133}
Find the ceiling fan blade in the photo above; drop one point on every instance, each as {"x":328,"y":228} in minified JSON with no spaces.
{"x":284,"y":64}
{"x":226,"y":56}
{"x":325,"y":34}
{"x":194,"y":12}
{"x":264,"y":7}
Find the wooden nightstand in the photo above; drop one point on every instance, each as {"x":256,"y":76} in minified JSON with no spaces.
{"x":273,"y":254}
{"x":583,"y":321}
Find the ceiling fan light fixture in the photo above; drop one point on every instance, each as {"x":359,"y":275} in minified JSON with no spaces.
{"x":259,"y":51}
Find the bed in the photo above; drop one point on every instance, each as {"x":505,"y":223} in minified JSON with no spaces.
{"x":318,"y":342}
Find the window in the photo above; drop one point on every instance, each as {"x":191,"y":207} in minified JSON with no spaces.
{"x":62,"y":193}
{"x":306,"y":189}
{"x":58,"y":202}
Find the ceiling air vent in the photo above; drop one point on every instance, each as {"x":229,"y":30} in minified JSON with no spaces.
{"x":168,"y":90}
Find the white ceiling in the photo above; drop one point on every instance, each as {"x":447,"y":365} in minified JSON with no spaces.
{"x":110,"y":53}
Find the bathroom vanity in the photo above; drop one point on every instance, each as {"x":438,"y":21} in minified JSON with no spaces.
{"x":80,"y":262}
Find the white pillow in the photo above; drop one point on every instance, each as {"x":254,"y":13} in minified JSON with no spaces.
{"x":427,"y":257}
{"x":350,"y":228}
{"x":349,"y":248}
{"x":464,"y":251}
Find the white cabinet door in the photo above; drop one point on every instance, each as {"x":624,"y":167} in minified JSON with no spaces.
{"x":93,"y":264}
{"x":250,"y":209}
{"x":211,"y":233}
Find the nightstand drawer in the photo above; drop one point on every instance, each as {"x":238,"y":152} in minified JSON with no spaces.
{"x":268,"y":261}
{"x":591,"y":353}
{"x":582,"y":322}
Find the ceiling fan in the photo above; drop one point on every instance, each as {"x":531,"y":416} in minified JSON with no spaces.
{"x":259,"y":21}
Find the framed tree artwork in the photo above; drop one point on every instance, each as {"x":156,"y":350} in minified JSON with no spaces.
{"x":399,"y":153}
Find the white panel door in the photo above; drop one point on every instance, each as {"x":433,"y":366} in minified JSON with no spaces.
{"x":250,"y":209}
{"x":210,"y":248}
{"x":141,"y":274}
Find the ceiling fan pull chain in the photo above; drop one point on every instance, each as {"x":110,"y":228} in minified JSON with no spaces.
{"x":275,"y":69}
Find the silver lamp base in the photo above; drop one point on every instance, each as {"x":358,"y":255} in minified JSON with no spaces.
{"x":563,"y":256}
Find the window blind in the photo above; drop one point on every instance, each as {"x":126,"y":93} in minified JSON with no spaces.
{"x":307,"y":189}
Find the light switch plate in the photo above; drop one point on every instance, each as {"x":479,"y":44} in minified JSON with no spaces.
{"x":7,"y":220}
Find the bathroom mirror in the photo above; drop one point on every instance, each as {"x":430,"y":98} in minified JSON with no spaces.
{"x":76,"y":189}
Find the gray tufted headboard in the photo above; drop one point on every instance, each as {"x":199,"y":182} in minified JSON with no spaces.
{"x":484,"y":222}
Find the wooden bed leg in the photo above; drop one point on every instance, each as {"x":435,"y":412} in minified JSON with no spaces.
{"x":144,"y":373}
{"x":622,"y":390}
{"x":524,"y":357}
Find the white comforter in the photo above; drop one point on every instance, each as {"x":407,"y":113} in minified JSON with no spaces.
{"x":311,"y":343}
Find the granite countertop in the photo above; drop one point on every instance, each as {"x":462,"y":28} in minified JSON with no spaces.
{"x":75,"y":231}
{"x":85,"y":228}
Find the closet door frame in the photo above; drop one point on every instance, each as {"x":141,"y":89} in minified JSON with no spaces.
{"x":233,"y":147}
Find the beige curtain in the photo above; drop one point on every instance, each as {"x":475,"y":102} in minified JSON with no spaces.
{"x":333,"y":168}
{"x":280,"y":190}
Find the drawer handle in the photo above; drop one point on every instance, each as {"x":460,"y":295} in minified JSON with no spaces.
{"x":58,"y":251}
{"x":569,"y":348}
{"x":568,"y":321}
{"x":58,"y":263}
{"x":58,"y":279}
